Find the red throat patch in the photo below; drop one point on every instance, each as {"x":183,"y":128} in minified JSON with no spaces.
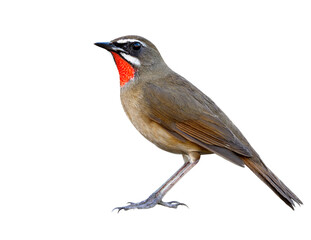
{"x":126,"y":71}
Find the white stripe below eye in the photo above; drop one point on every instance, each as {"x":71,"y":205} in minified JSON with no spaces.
{"x":130,"y":40}
{"x":130,"y":59}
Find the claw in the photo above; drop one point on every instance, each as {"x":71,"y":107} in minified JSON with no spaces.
{"x":118,"y":208}
{"x":172,"y":204}
{"x":125,"y":208}
{"x":178,"y":203}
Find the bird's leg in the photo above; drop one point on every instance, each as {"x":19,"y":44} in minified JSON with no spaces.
{"x":156,"y":197}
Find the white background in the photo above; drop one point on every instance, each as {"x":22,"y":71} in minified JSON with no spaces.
{"x":68,"y":153}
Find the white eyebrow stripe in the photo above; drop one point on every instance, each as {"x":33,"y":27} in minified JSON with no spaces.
{"x":125,"y":40}
{"x":130,"y":59}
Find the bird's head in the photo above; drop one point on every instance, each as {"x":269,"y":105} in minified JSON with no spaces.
{"x":133,"y":55}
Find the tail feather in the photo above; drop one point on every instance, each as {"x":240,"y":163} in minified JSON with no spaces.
{"x":272,"y":181}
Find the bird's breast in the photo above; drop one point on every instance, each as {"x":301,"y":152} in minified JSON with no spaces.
{"x":136,"y":109}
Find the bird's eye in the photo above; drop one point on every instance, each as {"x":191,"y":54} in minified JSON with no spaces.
{"x":136,"y":46}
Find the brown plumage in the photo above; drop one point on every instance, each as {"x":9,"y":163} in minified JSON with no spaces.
{"x":177,"y":117}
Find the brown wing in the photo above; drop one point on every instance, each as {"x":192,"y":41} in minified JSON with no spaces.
{"x":184,"y":109}
{"x":209,"y":133}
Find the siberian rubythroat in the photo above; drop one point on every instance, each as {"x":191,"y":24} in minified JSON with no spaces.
{"x":177,"y":117}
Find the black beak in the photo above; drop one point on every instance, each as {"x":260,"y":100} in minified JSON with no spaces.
{"x":109,"y":46}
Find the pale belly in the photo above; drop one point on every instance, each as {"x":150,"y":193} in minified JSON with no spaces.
{"x":164,"y":139}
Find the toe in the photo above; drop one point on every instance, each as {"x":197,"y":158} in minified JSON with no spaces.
{"x":172,"y":204}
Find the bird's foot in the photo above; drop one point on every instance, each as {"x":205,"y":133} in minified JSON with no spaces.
{"x":150,"y":202}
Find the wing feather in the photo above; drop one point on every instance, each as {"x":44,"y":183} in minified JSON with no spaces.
{"x":188,"y":112}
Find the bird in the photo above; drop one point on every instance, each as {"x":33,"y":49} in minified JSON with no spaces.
{"x":177,"y":117}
